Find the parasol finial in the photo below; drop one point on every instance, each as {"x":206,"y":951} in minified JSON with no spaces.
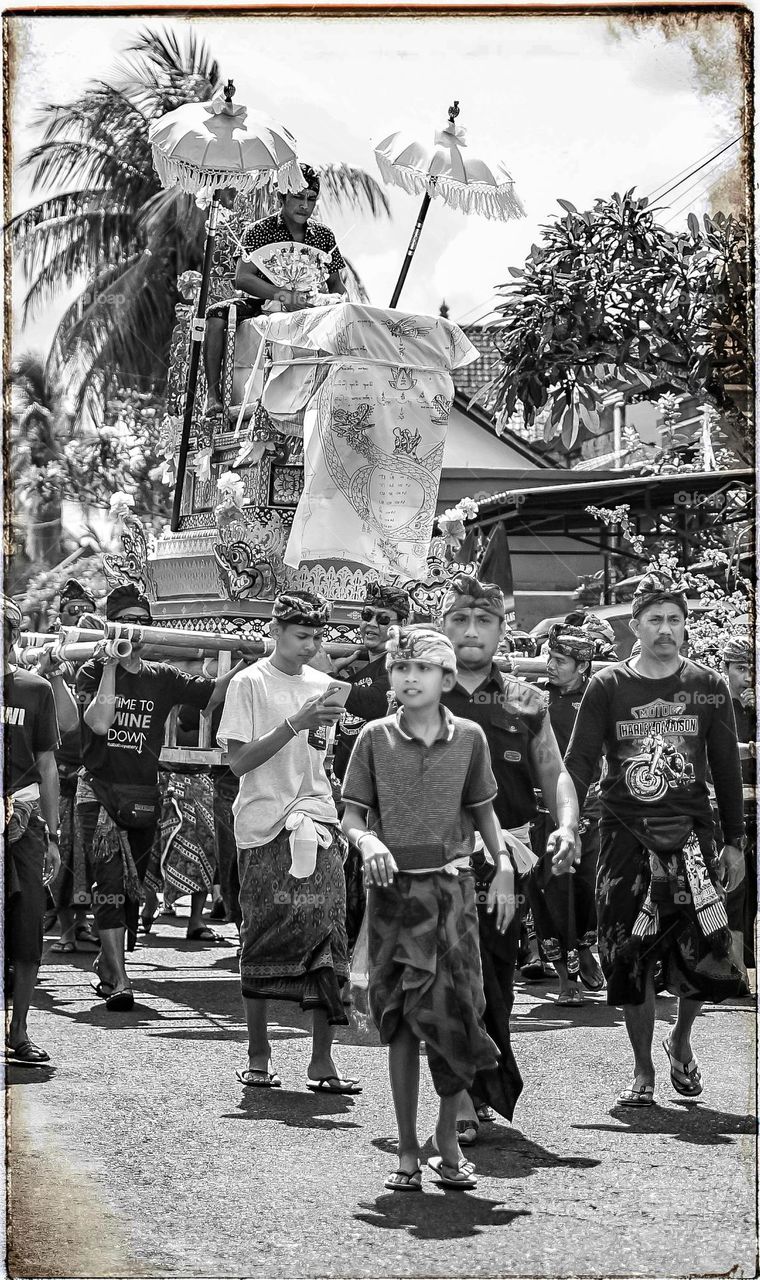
{"x":229,"y":91}
{"x":454,"y":111}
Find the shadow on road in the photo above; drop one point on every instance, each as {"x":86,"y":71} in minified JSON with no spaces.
{"x":690,"y":1122}
{"x":439,"y":1215}
{"x":505,"y":1153}
{"x":294,"y":1109}
{"x":14,"y":1074}
{"x":549,"y":1016}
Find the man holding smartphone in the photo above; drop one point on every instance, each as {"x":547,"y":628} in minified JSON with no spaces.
{"x":30,"y":786}
{"x":275,"y":726}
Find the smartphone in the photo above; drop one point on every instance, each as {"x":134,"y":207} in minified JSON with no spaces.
{"x":336,"y":693}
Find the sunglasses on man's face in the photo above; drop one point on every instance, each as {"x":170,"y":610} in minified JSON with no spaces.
{"x":77,"y":608}
{"x":138,"y":619}
{"x":380,"y":616}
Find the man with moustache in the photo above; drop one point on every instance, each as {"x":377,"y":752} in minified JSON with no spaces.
{"x":524,"y":754}
{"x":660,"y":721}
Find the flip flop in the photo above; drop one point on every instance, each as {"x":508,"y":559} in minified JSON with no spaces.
{"x":100,"y":990}
{"x":267,"y":1079}
{"x":637,"y":1096}
{"x":404,"y":1181}
{"x":571,"y":999}
{"x":685,"y":1077}
{"x":202,"y":933}
{"x":485,"y":1115}
{"x":341,"y":1085}
{"x":63,"y":948}
{"x":30,"y":1054}
{"x":121,"y":1000}
{"x":459,"y":1179}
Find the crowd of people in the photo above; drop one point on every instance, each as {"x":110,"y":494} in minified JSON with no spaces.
{"x":476,"y":829}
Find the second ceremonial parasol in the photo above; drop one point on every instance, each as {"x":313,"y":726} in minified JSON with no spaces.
{"x":447,"y":171}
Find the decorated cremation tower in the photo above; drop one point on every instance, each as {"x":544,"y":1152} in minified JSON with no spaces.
{"x":322,"y":470}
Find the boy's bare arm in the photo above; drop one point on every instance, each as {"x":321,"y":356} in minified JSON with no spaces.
{"x":242,"y":757}
{"x":379,"y":863}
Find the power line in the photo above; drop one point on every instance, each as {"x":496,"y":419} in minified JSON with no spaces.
{"x":708,"y":155}
{"x":701,"y":166}
{"x":692,"y":199}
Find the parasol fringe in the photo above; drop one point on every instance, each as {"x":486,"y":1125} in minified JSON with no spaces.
{"x":500,"y":202}
{"x":193,"y":178}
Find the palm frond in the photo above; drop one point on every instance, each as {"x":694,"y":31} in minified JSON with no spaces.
{"x":343,"y":184}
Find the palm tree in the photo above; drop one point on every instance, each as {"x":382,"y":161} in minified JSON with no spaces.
{"x":41,"y":427}
{"x":113,"y":224}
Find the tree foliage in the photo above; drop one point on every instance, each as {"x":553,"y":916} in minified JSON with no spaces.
{"x":611,"y":300}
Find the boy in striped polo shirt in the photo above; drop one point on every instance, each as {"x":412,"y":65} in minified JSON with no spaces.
{"x":418,"y":785}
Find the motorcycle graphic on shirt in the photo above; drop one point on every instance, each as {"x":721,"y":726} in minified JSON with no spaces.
{"x":658,"y":766}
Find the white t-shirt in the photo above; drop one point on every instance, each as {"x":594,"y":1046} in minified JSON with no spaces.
{"x":258,"y":700}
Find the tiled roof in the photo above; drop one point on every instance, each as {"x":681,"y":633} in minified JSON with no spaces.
{"x":473,"y":376}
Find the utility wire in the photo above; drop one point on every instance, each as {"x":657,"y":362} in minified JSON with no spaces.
{"x":700,"y":167}
{"x":686,"y":171}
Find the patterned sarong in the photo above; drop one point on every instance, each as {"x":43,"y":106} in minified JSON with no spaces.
{"x":632,"y":935}
{"x":424,"y":970}
{"x":294,"y":931}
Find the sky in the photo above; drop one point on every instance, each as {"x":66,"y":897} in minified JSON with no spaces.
{"x":574,"y":106}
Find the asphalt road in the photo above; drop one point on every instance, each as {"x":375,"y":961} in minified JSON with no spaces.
{"x":139,"y":1154}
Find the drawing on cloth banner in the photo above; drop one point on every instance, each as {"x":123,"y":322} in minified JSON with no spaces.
{"x":374,"y":436}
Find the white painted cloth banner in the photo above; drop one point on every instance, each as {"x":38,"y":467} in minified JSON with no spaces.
{"x":375,"y":390}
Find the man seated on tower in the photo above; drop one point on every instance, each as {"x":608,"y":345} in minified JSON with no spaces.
{"x":291,"y":223}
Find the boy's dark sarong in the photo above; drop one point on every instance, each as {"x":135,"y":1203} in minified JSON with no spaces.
{"x":691,"y":969}
{"x":424,"y":970}
{"x":183,"y":858}
{"x":498,"y":957}
{"x":293,"y":932}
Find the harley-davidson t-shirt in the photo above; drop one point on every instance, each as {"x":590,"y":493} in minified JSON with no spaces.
{"x":659,"y":736}
{"x":129,"y":752}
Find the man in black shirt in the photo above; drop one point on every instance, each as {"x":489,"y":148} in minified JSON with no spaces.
{"x":524,"y":753}
{"x":563,"y":907}
{"x":660,"y":719}
{"x":127,"y":703}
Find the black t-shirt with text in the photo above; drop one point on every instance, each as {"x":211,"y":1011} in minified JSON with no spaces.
{"x":659,"y":736}
{"x":30,"y":727}
{"x":129,"y":752}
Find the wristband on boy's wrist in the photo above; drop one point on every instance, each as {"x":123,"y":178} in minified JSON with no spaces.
{"x":292,"y":728}
{"x":363,"y":836}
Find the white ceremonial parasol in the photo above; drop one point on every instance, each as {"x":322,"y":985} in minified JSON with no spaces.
{"x":200,"y":147}
{"x":447,"y":171}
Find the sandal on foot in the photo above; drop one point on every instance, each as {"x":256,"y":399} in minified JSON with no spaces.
{"x":333,"y":1084}
{"x":63,"y":948}
{"x":202,"y":933}
{"x":641,"y":1095}
{"x":685,"y":1077}
{"x":485,"y":1115}
{"x":30,"y":1054}
{"x":259,"y":1078}
{"x":571,"y":998}
{"x":400,"y":1180}
{"x":102,"y":989}
{"x":120,"y":1000}
{"x":592,"y":986}
{"x":467,"y":1132}
{"x":450,"y":1176}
